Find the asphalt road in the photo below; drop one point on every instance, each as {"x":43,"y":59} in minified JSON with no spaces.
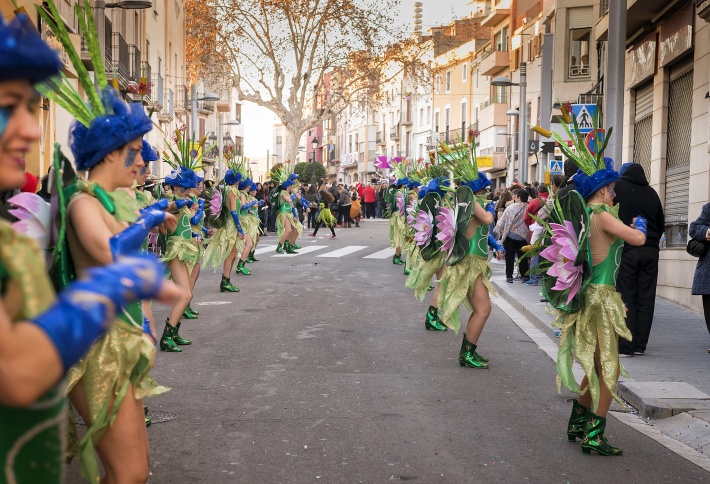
{"x":320,"y":370}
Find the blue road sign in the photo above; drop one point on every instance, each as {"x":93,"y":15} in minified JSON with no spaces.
{"x":556,"y":167}
{"x":585,"y":114}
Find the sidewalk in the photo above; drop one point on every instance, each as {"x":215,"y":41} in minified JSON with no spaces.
{"x":669,"y":384}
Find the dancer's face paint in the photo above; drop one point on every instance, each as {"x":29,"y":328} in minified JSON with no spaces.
{"x":19,"y":130}
{"x":131,"y":155}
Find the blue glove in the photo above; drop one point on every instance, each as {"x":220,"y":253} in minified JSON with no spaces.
{"x":235,"y":216}
{"x":197,"y":218}
{"x":294,"y":212}
{"x":261,"y":202}
{"x":85,"y":309}
{"x":200,"y":203}
{"x":305,"y":203}
{"x":146,"y":328}
{"x":161,"y":204}
{"x":131,"y":239}
{"x":493,"y":244}
{"x":184,"y":203}
{"x":640,"y":224}
{"x":491,"y":208}
{"x":293,"y":197}
{"x":205,"y":231}
{"x":247,"y":206}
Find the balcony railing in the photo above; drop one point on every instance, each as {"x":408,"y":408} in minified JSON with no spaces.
{"x":134,"y":65}
{"x":158,"y":90}
{"x":603,"y":7}
{"x":121,"y":58}
{"x":407,"y":118}
{"x":380,"y":138}
{"x":394,"y":132}
{"x":498,"y":98}
{"x":529,"y":16}
{"x":590,"y":98}
{"x":451,"y":136}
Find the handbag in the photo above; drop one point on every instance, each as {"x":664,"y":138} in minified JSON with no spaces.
{"x":697,"y":248}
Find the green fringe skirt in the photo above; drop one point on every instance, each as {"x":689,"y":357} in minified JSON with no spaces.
{"x":420,"y":277}
{"x":457,"y":282}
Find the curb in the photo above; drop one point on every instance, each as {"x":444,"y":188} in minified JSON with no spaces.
{"x":543,"y":326}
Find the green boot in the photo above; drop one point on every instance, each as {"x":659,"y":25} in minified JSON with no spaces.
{"x":577,"y":422}
{"x":226,"y":285}
{"x":188,"y":313}
{"x":289,"y":248}
{"x":251,"y":257}
{"x":196,"y":313}
{"x":397,"y":260}
{"x":166,"y":341}
{"x":295,"y":246}
{"x":406,"y":271}
{"x":433,"y":321}
{"x":279,"y":248}
{"x":241,"y":268}
{"x":179,"y":340}
{"x":468,"y":356}
{"x":594,"y":436}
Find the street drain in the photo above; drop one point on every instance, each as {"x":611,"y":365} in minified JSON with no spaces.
{"x":156,"y":417}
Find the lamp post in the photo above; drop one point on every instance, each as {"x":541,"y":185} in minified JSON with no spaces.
{"x":100,"y":7}
{"x":502,"y":81}
{"x":220,"y":140}
{"x":314,"y":145}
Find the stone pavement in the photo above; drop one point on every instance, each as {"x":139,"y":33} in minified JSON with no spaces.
{"x":669,"y":384}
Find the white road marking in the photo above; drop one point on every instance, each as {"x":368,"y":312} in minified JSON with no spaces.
{"x":264,"y":249}
{"x":344,"y":251}
{"x":213,"y":303}
{"x":304,"y":250}
{"x":383,"y":254}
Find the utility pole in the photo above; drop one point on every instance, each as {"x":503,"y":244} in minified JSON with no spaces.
{"x":614,"y":80}
{"x":522,"y":127}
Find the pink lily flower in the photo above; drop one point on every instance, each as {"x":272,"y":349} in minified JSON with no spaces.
{"x":563,"y":253}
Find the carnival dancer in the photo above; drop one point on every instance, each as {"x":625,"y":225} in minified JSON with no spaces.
{"x":183,"y":246}
{"x":407,"y":225}
{"x":253,"y":211}
{"x":463,"y":230}
{"x":225,"y":218}
{"x":325,"y":217}
{"x":200,"y":237}
{"x":41,"y":334}
{"x":580,"y":262}
{"x":108,"y":385}
{"x":250,"y":225}
{"x":287,"y":224}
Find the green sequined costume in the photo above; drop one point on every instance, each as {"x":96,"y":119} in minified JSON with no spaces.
{"x":250,"y":221}
{"x":599,"y":324}
{"x":460,"y":279}
{"x":32,"y":439}
{"x":121,"y":358}
{"x":225,"y":238}
{"x":285,"y":212}
{"x":180,"y":244}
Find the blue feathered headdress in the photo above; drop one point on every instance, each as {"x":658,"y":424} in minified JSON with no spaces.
{"x":480,"y":183}
{"x":244,"y":183}
{"x":108,"y":132}
{"x":231,"y":177}
{"x":182,"y":177}
{"x":253,"y":187}
{"x":148,"y":153}
{"x":402,"y":182}
{"x":435,"y":185}
{"x":23,"y":53}
{"x":587,"y":185}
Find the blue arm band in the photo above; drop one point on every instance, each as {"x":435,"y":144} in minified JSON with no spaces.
{"x":182,"y":203}
{"x":245,"y":208}
{"x":205,"y":231}
{"x":161,"y":204}
{"x":86,"y":309}
{"x":294,"y":212}
{"x":493,"y":243}
{"x":131,"y":239}
{"x":640,"y":224}
{"x":235,"y":216}
{"x":197,"y":218}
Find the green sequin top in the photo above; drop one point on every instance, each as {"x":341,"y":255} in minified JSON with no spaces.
{"x":606,"y":271}
{"x":478,"y":245}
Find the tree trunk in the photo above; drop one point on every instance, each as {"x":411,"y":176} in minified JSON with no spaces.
{"x":291,"y":150}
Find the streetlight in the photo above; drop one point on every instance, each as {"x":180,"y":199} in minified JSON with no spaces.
{"x":502,"y":81}
{"x":314,"y":145}
{"x":220,"y":140}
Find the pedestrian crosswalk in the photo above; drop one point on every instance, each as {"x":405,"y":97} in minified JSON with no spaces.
{"x":321,"y":251}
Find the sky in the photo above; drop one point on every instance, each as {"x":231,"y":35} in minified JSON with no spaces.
{"x":258,"y":122}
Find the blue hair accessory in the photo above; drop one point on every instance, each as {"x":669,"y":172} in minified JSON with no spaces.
{"x":148,"y":153}
{"x":479,"y":183}
{"x":402,"y":181}
{"x":412,"y":184}
{"x":231,"y":178}
{"x":23,"y":53}
{"x":253,"y":187}
{"x":244,"y":183}
{"x":108,"y":132}
{"x":587,"y":185}
{"x":182,"y":177}
{"x":287,"y":184}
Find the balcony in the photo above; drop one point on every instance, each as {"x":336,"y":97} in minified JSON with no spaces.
{"x":167,"y":113}
{"x":158,"y":93}
{"x":205,"y":107}
{"x":590,"y":98}
{"x":493,"y":61}
{"x":182,"y":100}
{"x":395,"y":132}
{"x":529,"y":16}
{"x":380,"y":138}
{"x":406,"y":118}
{"x":134,"y":64}
{"x":493,"y":113}
{"x":496,"y":17}
{"x":452,"y":136}
{"x":121,"y":60}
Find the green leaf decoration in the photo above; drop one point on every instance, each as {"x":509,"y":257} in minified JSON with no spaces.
{"x":463,"y":207}
{"x":431,"y":203}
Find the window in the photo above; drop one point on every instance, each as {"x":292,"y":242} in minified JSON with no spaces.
{"x":464,"y":72}
{"x":421,"y":117}
{"x":437,"y":85}
{"x":436,"y":122}
{"x":428,"y":115}
{"x":500,"y":40}
{"x":464,"y":115}
{"x":448,"y":81}
{"x":447,"y":118}
{"x":477,"y":77}
{"x":279,"y":140}
{"x":516,"y":61}
{"x":579,"y":42}
{"x":531,"y":52}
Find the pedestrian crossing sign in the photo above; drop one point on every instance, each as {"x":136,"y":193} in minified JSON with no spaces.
{"x":556,"y":167}
{"x":586,"y":114}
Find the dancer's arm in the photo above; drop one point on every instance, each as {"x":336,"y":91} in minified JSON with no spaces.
{"x":232,"y":204}
{"x":482,"y":215}
{"x":635,"y":234}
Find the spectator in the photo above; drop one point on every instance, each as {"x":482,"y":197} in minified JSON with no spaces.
{"x":344,"y":204}
{"x":504,"y":201}
{"x":514,"y":234}
{"x":370,"y":199}
{"x":355,"y":209}
{"x":535,"y":233}
{"x":30,"y":185}
{"x":312,"y":197}
{"x":700,"y":230}
{"x":360,"y":191}
{"x":380,"y":201}
{"x":638,"y":271}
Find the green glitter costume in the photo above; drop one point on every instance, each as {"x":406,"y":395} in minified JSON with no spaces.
{"x":225,"y":238}
{"x":180,"y":244}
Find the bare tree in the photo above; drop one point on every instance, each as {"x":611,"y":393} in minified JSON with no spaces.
{"x":305,"y":60}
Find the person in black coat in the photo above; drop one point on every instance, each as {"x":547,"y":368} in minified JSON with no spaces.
{"x":700,"y":230}
{"x":638,"y":272}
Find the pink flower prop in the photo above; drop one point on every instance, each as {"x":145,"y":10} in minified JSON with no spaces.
{"x":382,"y":163}
{"x":423,"y":227}
{"x":400,"y":203}
{"x":33,"y":217}
{"x":216,"y":203}
{"x":562,"y":253}
{"x":446,"y":225}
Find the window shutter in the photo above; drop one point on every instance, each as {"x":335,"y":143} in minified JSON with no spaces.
{"x":579,"y":18}
{"x":643,"y":124}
